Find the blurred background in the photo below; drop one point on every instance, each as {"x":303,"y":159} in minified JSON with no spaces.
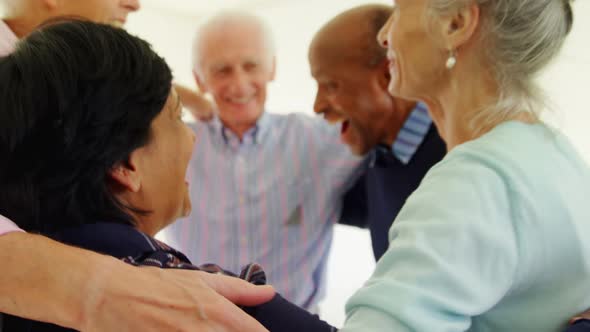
{"x":170,"y":24}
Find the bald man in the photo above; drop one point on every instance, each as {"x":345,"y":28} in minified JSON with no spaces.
{"x":46,"y":281}
{"x":352,"y":73}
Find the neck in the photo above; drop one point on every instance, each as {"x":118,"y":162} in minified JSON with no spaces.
{"x":454,"y":109}
{"x":23,"y":25}
{"x":401,"y":110}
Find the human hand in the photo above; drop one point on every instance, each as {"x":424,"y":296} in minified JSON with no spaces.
{"x":201,"y":108}
{"x":152,"y":299}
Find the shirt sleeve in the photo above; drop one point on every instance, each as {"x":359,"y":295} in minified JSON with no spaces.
{"x":452,"y":254}
{"x":7,"y":226}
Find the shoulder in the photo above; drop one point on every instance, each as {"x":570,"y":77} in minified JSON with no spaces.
{"x":303,"y":126}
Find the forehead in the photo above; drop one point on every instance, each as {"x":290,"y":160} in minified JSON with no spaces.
{"x":234,"y":44}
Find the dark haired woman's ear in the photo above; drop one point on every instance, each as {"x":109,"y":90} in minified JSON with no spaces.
{"x":125,"y":176}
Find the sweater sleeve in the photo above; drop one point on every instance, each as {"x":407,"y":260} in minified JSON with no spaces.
{"x":452,"y":254}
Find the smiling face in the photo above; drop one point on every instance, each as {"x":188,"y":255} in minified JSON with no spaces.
{"x":236,"y":64}
{"x":352,"y":76}
{"x":351,"y":93}
{"x":415,"y":54}
{"x":113,"y":12}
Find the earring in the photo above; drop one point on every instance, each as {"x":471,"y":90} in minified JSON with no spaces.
{"x":452,"y":60}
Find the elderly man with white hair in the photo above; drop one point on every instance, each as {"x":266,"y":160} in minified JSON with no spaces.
{"x":266,"y":187}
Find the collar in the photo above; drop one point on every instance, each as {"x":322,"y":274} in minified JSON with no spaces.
{"x":412,"y":134}
{"x":113,"y":239}
{"x":253,"y":136}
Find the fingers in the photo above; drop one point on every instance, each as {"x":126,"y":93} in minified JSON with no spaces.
{"x":238,"y":291}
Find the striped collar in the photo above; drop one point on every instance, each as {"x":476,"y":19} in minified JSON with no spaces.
{"x":253,"y":136}
{"x":412,"y":134}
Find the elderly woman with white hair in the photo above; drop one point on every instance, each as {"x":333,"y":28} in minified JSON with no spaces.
{"x":494,"y":239}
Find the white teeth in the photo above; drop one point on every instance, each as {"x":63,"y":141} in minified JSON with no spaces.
{"x":240,"y":100}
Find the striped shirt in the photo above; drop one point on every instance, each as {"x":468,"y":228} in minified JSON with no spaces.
{"x":412,"y":134}
{"x":271,"y":198}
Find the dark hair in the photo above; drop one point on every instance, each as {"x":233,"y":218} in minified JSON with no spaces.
{"x":76,"y":98}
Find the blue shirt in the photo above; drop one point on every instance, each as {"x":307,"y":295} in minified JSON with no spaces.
{"x":271,"y":198}
{"x":412,"y":134}
{"x":493,"y":239}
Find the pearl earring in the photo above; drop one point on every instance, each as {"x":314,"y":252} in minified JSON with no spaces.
{"x":451,"y":61}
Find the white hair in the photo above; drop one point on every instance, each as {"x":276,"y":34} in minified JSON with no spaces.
{"x":521,"y":37}
{"x":233,"y":18}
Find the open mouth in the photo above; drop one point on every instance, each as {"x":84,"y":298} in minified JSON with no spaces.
{"x":344,"y":127}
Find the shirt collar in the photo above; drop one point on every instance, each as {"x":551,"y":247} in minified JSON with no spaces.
{"x":412,"y":134}
{"x":253,"y":136}
{"x":7,"y":39}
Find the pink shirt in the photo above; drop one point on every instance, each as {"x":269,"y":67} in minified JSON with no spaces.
{"x":7,"y":41}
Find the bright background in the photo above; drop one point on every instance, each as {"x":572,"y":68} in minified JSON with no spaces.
{"x":169,"y":25}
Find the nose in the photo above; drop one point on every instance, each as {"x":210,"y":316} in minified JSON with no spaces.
{"x":320,"y":104}
{"x":241,"y":83}
{"x":383,"y":33}
{"x":131,"y":5}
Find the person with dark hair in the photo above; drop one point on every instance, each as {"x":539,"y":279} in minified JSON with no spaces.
{"x":96,"y":154}
{"x":75,"y":280}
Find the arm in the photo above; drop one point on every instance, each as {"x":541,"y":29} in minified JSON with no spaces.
{"x":431,"y":278}
{"x":200,"y":107}
{"x":47,"y":281}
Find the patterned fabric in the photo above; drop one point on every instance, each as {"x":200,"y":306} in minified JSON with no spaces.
{"x":7,"y":226}
{"x":7,"y":39}
{"x":270,"y":198}
{"x":412,"y":134}
{"x":167,"y":257}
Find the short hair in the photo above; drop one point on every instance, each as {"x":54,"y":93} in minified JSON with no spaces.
{"x":226,"y":18}
{"x":76,"y":98}
{"x":521,"y":38}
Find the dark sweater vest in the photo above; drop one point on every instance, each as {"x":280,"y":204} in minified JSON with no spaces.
{"x":379,"y":194}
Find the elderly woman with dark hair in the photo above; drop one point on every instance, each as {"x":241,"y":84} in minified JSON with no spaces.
{"x":95,"y":154}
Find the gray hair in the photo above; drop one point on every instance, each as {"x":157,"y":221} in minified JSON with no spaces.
{"x":230,"y":18}
{"x":521,"y":37}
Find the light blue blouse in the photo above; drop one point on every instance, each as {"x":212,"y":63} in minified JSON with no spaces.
{"x":496,"y":238}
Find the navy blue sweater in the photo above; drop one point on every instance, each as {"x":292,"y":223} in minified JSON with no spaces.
{"x":379,"y":194}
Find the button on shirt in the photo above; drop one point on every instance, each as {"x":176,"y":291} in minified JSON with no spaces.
{"x":270,"y":198}
{"x":7,"y":41}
